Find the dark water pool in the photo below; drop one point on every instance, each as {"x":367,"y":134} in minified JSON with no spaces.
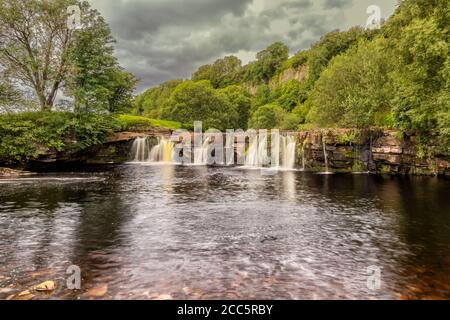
{"x":150,"y":232}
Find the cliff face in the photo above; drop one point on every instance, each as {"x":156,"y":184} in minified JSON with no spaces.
{"x":287,"y":75}
{"x":298,"y":74}
{"x":366,"y":150}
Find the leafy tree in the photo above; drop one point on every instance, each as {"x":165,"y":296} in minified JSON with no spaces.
{"x":222,"y":73}
{"x":422,"y":74}
{"x":97,"y":82}
{"x":198,"y":101}
{"x":151,"y":102}
{"x":268,"y":116}
{"x":9,"y":96}
{"x":290,"y":95}
{"x":39,"y":52}
{"x":241,"y":103}
{"x":269,"y":62}
{"x":34,"y":43}
{"x":354,"y":89}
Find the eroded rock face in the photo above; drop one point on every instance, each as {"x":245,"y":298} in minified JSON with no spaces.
{"x":378,"y":151}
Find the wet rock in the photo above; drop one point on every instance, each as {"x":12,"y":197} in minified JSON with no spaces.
{"x":24,"y":295}
{"x":98,"y":291}
{"x":45,"y":286}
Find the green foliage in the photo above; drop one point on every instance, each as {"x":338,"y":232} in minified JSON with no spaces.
{"x":43,"y":56}
{"x":25,"y":136}
{"x":272,"y":116}
{"x":241,"y":102}
{"x":267,"y":117}
{"x":222,"y":73}
{"x":130,"y":122}
{"x":354,"y":88}
{"x":151,"y":102}
{"x":290,"y":95}
{"x":198,"y":101}
{"x":98,"y":83}
{"x":269,"y":62}
{"x":348,"y":137}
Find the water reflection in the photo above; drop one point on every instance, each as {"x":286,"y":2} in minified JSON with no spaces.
{"x":198,"y":232}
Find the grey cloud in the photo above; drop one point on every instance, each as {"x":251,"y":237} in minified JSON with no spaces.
{"x":159,"y":40}
{"x":137,"y":17}
{"x":337,"y":4}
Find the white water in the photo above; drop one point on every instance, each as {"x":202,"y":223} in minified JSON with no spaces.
{"x":140,"y":149}
{"x":201,"y":154}
{"x":325,"y":154}
{"x":256,"y":157}
{"x":288,"y":146}
{"x":257,"y":153}
{"x":303,"y":157}
{"x":162,"y":152}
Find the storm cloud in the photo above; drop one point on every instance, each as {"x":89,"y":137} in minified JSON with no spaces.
{"x":158,"y":40}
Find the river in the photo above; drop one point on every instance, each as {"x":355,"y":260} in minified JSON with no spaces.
{"x":146,"y":231}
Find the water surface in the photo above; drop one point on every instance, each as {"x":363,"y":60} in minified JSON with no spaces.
{"x":150,"y":231}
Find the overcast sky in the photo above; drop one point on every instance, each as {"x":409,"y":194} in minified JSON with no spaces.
{"x":159,"y":40}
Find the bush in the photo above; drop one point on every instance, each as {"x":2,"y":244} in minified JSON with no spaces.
{"x":129,"y":122}
{"x":25,"y":136}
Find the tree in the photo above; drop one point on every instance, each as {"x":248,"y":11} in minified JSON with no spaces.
{"x":34,"y":42}
{"x":222,"y":73}
{"x":290,"y":95}
{"x":268,"y":116}
{"x":40,"y":52}
{"x":9,"y":96}
{"x":198,"y":101}
{"x":241,"y":103}
{"x":151,"y":102}
{"x":354,"y":91}
{"x":269,"y":62}
{"x":97,"y":82}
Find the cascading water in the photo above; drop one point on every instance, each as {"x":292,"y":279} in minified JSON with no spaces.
{"x":325,"y":154}
{"x":288,"y":146}
{"x":140,"y":149}
{"x":251,"y":160}
{"x":303,"y":157}
{"x":201,"y":155}
{"x":257,"y":153}
{"x":163,"y":152}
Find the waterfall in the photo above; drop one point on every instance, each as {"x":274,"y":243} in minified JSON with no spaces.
{"x":257,"y":153}
{"x":140,"y":149}
{"x":303,"y":157}
{"x":163,"y":152}
{"x":251,"y":160}
{"x":201,"y":154}
{"x":288,"y":146}
{"x":325,"y":155}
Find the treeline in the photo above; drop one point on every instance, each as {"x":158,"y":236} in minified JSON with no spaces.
{"x":395,"y":77}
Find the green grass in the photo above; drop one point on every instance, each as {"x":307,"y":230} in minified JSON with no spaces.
{"x":129,"y":122}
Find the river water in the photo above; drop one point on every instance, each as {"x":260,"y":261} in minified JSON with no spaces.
{"x":163,"y":231}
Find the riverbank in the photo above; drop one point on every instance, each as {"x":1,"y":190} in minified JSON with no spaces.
{"x":335,"y":150}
